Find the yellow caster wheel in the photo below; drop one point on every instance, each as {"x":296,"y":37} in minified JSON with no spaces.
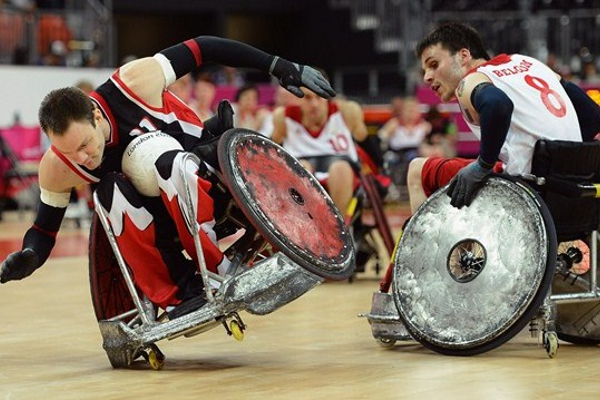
{"x":236,"y":330}
{"x":156,"y":358}
{"x":551,"y":343}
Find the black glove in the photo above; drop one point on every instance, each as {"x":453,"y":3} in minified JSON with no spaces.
{"x":19,"y":265}
{"x":221,"y":121}
{"x":292,"y":76}
{"x":467,"y":182}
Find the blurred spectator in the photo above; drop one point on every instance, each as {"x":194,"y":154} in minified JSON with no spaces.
{"x":183,"y":88}
{"x":248,"y":114}
{"x":53,"y":39}
{"x":441,"y":141}
{"x":404,"y":133}
{"x":589,"y":73}
{"x":228,"y":76}
{"x":204,"y":95}
{"x":401,"y":137}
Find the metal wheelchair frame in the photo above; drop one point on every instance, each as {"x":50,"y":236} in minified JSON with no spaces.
{"x":271,"y":282}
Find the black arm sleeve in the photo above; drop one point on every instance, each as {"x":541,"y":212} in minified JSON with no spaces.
{"x":588,"y":112}
{"x":495,"y":112}
{"x":41,"y":237}
{"x":188,"y":56}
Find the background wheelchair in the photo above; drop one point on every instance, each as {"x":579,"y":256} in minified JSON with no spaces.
{"x":373,"y":238}
{"x":288,"y":237}
{"x":466,"y":281}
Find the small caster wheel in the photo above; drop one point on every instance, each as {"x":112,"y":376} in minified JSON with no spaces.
{"x":386,"y":343}
{"x":236,"y":330}
{"x":551,"y":343}
{"x":156,"y":358}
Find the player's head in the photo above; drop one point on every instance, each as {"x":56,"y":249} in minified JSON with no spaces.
{"x":72,"y":124}
{"x":447,"y":54}
{"x":453,"y":37}
{"x":61,"y":107}
{"x":314,"y":107}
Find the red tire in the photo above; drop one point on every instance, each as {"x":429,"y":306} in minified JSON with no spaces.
{"x":110,"y":295}
{"x":286,"y":204}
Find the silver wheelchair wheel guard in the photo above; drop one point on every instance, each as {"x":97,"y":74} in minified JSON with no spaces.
{"x":466,"y":281}
{"x":286,"y":204}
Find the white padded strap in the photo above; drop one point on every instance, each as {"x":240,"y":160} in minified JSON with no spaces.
{"x":166,"y":67}
{"x":55,"y":199}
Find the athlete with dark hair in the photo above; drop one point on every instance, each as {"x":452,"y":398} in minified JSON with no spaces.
{"x":509,"y":102}
{"x":89,"y":136}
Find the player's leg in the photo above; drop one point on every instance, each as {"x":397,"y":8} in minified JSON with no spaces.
{"x":144,"y":237}
{"x":172,"y":183}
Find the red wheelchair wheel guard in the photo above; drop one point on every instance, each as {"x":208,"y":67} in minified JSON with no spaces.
{"x":110,"y":295}
{"x":286,"y":204}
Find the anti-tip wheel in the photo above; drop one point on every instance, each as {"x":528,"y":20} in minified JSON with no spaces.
{"x":156,"y":358}
{"x":386,"y":343}
{"x":236,"y":331}
{"x":551,"y":343}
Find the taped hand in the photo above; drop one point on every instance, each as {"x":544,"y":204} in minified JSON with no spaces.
{"x":292,"y":76}
{"x":19,"y":265}
{"x":466,"y":184}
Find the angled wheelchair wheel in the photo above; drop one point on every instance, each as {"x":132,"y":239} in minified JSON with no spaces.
{"x":466,"y":281}
{"x":286,"y":204}
{"x":110,"y":295}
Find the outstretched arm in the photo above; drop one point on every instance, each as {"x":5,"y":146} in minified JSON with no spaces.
{"x":55,"y":183}
{"x":170,"y":64}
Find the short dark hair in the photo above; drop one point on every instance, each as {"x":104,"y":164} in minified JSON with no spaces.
{"x":454,"y":36}
{"x":63,"y":106}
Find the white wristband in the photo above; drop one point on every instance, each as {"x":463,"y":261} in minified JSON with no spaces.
{"x":55,"y":199}
{"x":272,"y":67}
{"x":166,"y":67}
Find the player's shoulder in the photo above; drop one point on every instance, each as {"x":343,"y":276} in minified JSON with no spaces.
{"x":55,"y":175}
{"x":468,"y":83}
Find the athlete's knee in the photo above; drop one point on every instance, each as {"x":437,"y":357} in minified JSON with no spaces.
{"x":341,"y":169}
{"x":415,"y":170}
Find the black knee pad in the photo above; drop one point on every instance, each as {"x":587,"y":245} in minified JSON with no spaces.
{"x":164,"y":163}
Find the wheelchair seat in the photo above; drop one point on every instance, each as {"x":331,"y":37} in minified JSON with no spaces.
{"x":570,"y":172}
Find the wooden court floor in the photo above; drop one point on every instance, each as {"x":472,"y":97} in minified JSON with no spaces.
{"x":314,"y":348}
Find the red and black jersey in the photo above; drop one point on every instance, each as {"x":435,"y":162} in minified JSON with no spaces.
{"x":129,"y":116}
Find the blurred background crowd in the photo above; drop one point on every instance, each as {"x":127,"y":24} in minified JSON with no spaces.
{"x":365,"y":47}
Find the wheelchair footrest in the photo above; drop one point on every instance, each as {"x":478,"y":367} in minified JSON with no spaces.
{"x":262,"y":289}
{"x":385,"y":320}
